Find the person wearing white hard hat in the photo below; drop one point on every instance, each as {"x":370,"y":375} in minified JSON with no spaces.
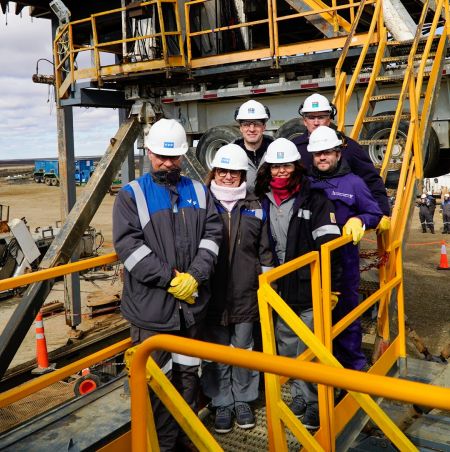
{"x":316,"y":111}
{"x":300,"y":221}
{"x":252,"y":117}
{"x":445,"y":206}
{"x":431,"y":201}
{"x":167,"y":233}
{"x":356,"y":210}
{"x":425,"y":214}
{"x":233,"y":310}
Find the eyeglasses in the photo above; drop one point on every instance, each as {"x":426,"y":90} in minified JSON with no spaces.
{"x":221,"y":172}
{"x":327,"y":152}
{"x":285,"y":166}
{"x":318,"y":117}
{"x":247,"y":124}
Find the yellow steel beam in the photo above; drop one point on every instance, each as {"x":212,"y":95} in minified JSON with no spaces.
{"x":326,"y":12}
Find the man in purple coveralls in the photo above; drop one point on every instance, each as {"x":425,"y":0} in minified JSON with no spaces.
{"x":356,"y":210}
{"x":317,"y":111}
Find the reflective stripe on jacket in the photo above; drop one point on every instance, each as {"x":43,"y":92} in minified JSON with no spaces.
{"x":159,"y":228}
{"x":312,"y":224}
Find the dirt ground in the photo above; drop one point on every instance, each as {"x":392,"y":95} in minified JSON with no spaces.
{"x":427,"y":290}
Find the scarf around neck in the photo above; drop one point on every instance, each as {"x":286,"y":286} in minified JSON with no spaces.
{"x":280,"y":191}
{"x":228,"y":196}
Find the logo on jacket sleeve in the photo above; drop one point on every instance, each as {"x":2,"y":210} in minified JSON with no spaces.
{"x":332,"y":217}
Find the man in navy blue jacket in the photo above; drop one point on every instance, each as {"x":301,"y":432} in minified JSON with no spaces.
{"x":318,"y":111}
{"x":356,"y":210}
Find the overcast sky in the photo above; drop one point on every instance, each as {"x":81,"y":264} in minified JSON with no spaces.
{"x":27,"y":110}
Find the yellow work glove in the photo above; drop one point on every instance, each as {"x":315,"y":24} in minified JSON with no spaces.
{"x":355,"y":228}
{"x":334,"y":299}
{"x":183,"y":287}
{"x":384,"y":224}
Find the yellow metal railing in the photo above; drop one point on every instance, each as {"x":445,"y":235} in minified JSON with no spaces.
{"x":320,"y":343}
{"x":377,"y":33}
{"x":223,"y":58}
{"x":332,"y":419}
{"x":70,"y":68}
{"x":411,"y":90}
{"x":357,"y":383}
{"x":66,"y":50}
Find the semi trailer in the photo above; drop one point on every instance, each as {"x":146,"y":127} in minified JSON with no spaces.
{"x":47,"y":171}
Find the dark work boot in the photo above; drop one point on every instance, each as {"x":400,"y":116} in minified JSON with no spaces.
{"x":432,"y":229}
{"x":424,"y":230}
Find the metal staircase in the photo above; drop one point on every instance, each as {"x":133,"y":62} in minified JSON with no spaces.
{"x":394,"y":123}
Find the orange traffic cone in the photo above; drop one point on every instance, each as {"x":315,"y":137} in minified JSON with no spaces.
{"x":443,"y":265}
{"x":41,"y":348}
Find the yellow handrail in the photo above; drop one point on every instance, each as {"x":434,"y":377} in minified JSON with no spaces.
{"x":54,"y":272}
{"x":351,"y":380}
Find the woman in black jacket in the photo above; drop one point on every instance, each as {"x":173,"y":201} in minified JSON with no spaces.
{"x":244,"y":253}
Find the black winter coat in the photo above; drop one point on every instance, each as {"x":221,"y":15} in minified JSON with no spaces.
{"x":244,"y":253}
{"x":312,"y":224}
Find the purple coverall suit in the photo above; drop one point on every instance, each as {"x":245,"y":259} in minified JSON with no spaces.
{"x":351,"y":198}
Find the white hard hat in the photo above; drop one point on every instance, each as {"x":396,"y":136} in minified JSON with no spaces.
{"x":322,"y":139}
{"x":167,"y":137}
{"x":316,"y":103}
{"x":281,"y":150}
{"x":446,"y":195}
{"x":252,"y":110}
{"x":429,"y":193}
{"x":423,"y":195}
{"x":232,"y":157}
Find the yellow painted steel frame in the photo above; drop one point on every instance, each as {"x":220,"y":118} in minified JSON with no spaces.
{"x":344,"y":93}
{"x":65,"y":51}
{"x":231,"y":57}
{"x":319,"y":342}
{"x":359,"y":384}
{"x":98,"y":71}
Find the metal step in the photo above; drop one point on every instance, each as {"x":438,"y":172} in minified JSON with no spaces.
{"x":385,"y":142}
{"x":409,"y":42}
{"x":382,"y":118}
{"x":396,"y":78}
{"x":393,"y":96}
{"x":393,"y":59}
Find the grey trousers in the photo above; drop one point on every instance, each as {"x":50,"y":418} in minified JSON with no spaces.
{"x":226,"y":385}
{"x":290,"y":345}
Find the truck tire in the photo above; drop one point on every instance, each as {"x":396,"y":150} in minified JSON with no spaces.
{"x":381,"y":130}
{"x":48,"y":181}
{"x":37,"y":179}
{"x":212,"y":140}
{"x":291,"y":129}
{"x":54,"y":181}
